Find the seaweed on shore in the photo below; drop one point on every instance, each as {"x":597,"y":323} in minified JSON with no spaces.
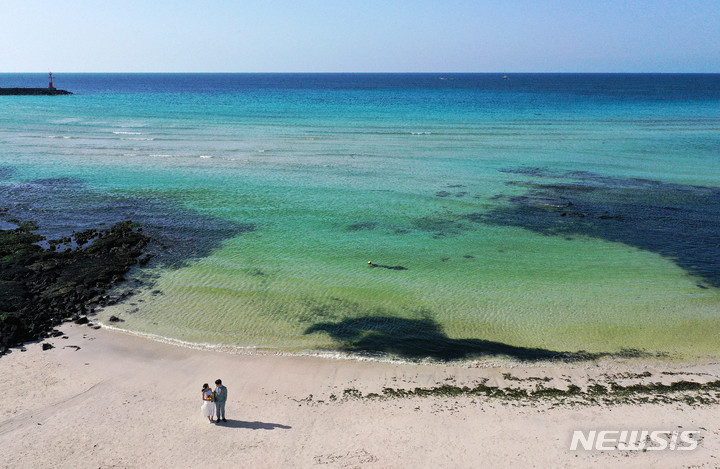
{"x":40,"y":287}
{"x":689,"y":392}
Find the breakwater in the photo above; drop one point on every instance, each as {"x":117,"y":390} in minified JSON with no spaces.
{"x":32,"y":92}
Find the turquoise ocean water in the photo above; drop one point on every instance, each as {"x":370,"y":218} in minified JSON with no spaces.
{"x":517,"y":216}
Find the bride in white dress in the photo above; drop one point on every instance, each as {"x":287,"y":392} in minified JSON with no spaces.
{"x":208,"y":407}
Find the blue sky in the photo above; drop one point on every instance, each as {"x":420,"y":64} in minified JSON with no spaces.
{"x":359,"y":36}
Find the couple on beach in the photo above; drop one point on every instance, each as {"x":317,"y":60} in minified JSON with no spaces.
{"x":214,"y":401}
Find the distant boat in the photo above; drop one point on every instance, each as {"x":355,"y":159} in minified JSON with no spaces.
{"x":505,"y":77}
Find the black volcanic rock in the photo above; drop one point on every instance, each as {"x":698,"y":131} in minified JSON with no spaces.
{"x":39,"y":288}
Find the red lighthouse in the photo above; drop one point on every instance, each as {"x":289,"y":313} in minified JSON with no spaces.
{"x":51,"y":83}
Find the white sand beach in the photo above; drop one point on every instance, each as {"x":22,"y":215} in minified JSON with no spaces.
{"x":106,"y":399}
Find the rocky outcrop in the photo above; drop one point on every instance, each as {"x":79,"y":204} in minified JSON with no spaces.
{"x":40,"y":287}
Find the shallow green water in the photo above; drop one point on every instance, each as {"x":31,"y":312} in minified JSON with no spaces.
{"x":330,"y":179}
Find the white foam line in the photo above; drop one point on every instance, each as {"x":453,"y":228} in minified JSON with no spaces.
{"x":237,"y":350}
{"x":183,"y":343}
{"x":252,"y":350}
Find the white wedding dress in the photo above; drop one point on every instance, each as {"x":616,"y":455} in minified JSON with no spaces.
{"x":208,"y":407}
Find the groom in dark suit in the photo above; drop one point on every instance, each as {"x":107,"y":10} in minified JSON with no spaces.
{"x":220,"y":398}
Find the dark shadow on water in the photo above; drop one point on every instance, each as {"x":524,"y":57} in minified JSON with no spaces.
{"x":679,"y":222}
{"x":389,"y":267}
{"x":252,"y":425}
{"x":417,"y":339}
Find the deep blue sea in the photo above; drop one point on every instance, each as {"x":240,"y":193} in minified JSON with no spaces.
{"x":525,"y":215}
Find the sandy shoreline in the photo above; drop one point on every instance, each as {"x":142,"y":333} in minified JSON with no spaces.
{"x":125,"y":401}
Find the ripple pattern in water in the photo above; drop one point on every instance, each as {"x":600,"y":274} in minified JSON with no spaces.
{"x":271,"y":194}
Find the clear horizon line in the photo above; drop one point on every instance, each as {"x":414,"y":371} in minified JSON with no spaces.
{"x":374,"y":72}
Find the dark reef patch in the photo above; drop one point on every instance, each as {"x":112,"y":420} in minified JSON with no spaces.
{"x":58,"y":182}
{"x":679,"y":222}
{"x":362,"y":226}
{"x":443,"y":194}
{"x":526,"y":171}
{"x":422,"y":338}
{"x":440,"y":225}
{"x":65,"y":205}
{"x":6,"y":172}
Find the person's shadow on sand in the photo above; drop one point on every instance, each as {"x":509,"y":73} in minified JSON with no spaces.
{"x":253,"y":425}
